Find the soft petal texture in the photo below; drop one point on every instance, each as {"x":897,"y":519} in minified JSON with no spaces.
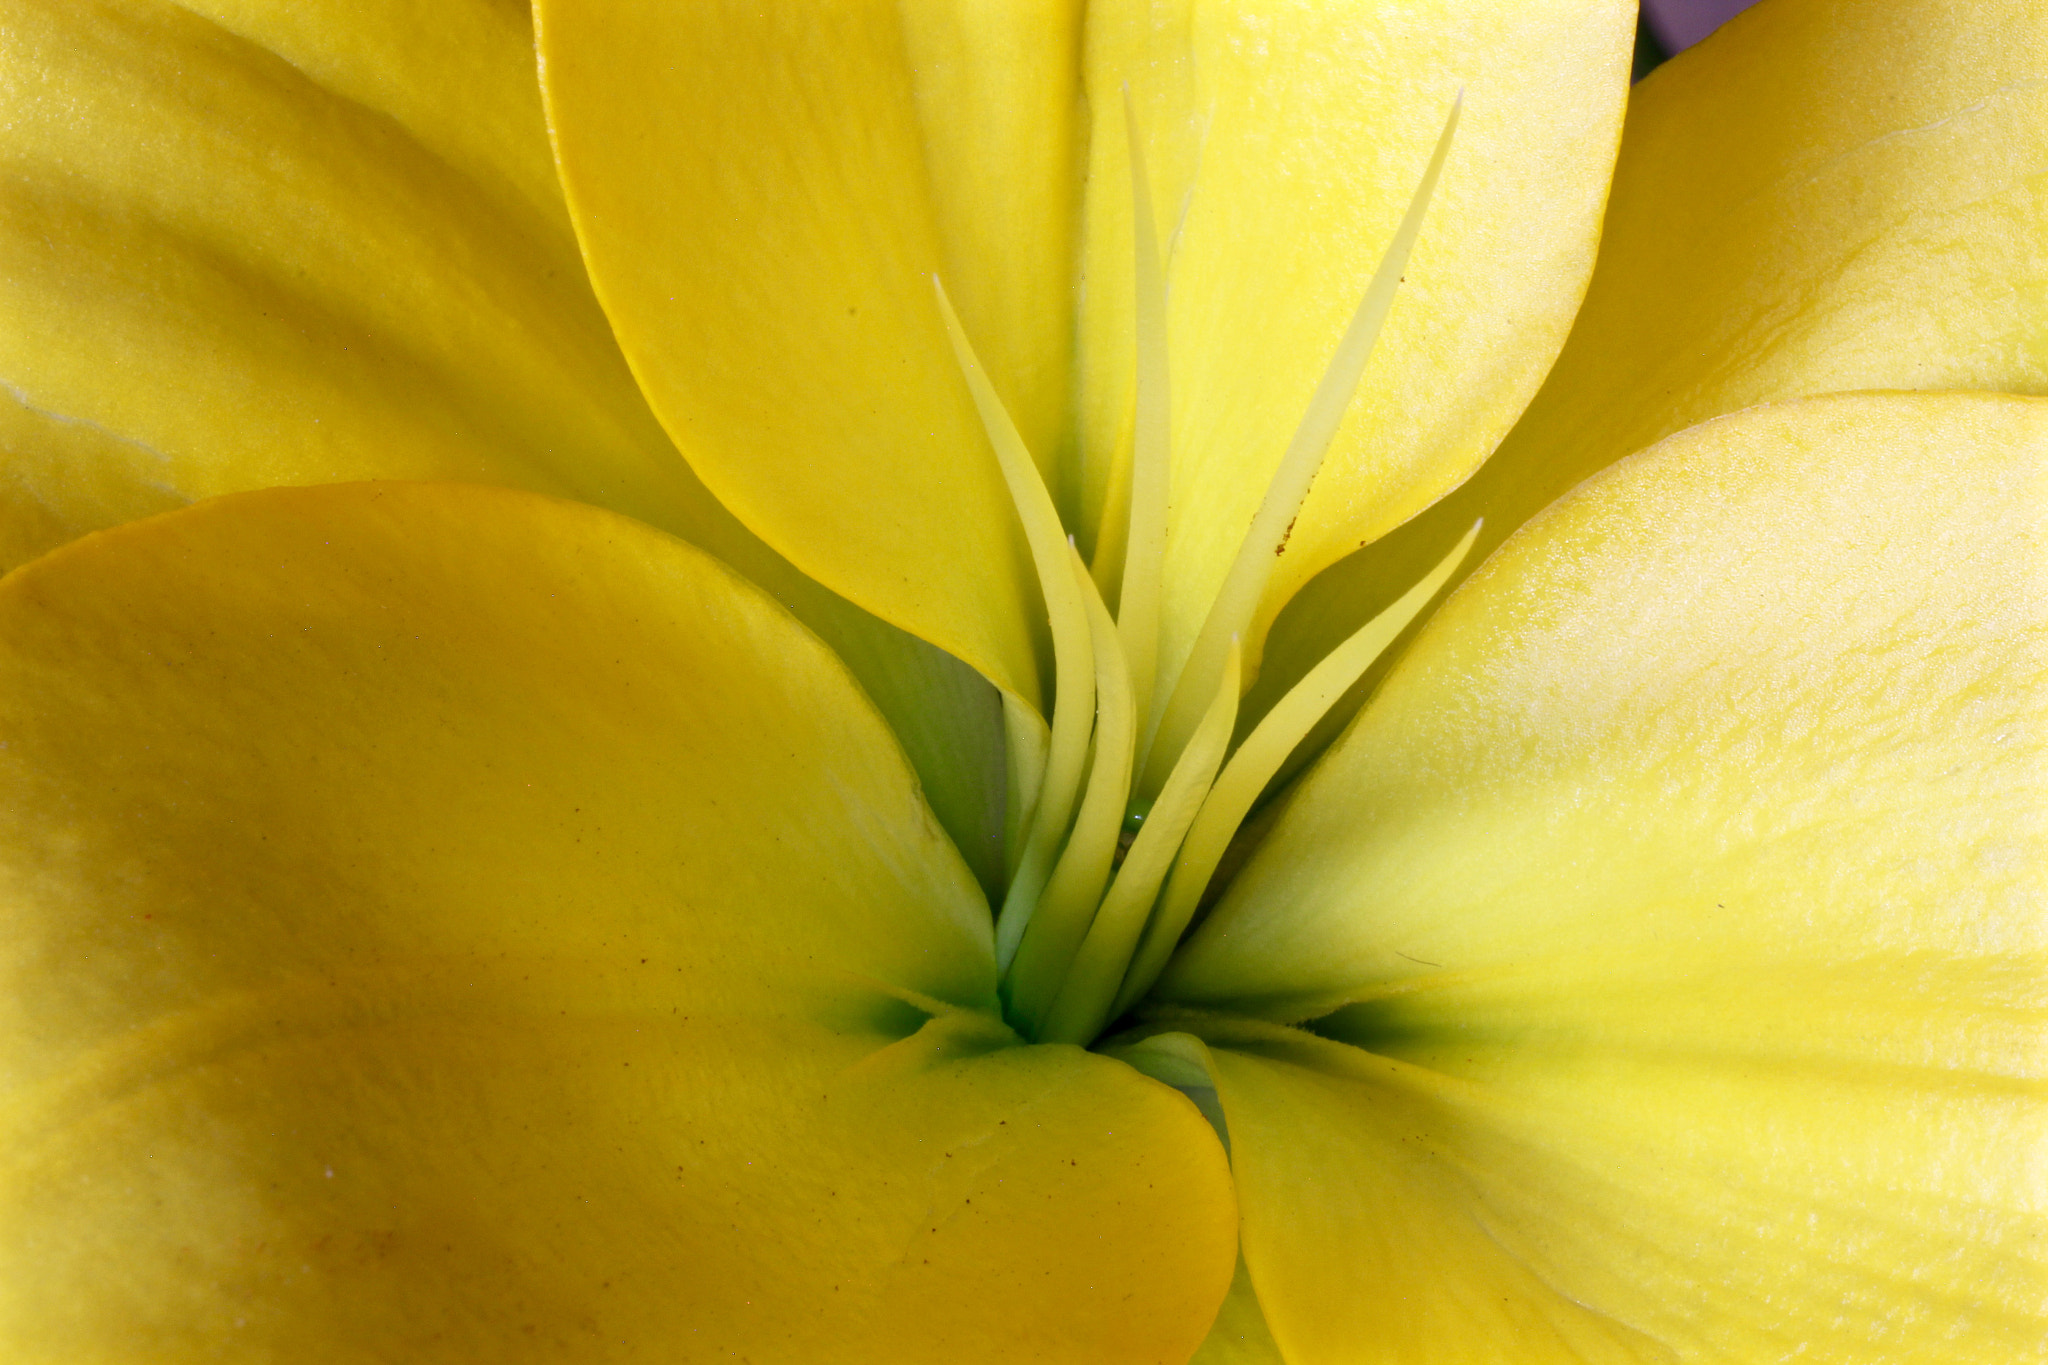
{"x":1481,"y":1190}
{"x":1285,"y":142}
{"x":271,"y":245}
{"x":1240,"y":1335}
{"x":1687,"y":878}
{"x":253,"y":244}
{"x":443,"y":923}
{"x":1830,"y":195}
{"x":765,"y":248}
{"x":1372,"y":1235}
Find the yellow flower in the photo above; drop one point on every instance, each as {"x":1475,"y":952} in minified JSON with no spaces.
{"x":447,"y":919}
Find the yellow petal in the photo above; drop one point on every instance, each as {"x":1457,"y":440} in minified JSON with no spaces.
{"x":447,"y":924}
{"x":1001,"y":126}
{"x":60,"y":478}
{"x":1371,"y":1223}
{"x":1285,"y":143}
{"x":254,"y":244}
{"x":267,"y":245}
{"x":1686,"y":879}
{"x":1240,"y":1336}
{"x":763,"y":196}
{"x":1508,"y":1184}
{"x":1830,"y":195}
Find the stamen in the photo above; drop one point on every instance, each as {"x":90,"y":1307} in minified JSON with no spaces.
{"x":1064,"y":948}
{"x":1084,"y":1003}
{"x":1025,"y":737}
{"x":1258,"y":758}
{"x":1073,"y":712}
{"x":1068,"y":905}
{"x":1230,"y":615}
{"x":1137,"y":615}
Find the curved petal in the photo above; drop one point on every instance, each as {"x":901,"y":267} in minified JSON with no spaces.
{"x":1466,"y":1186}
{"x":1370,"y":1230}
{"x":1830,"y":195}
{"x":765,"y":247}
{"x":276,"y":245}
{"x":1240,"y":1336}
{"x":1686,"y":878}
{"x":1286,"y":142}
{"x":257,"y":244}
{"x":447,"y":924}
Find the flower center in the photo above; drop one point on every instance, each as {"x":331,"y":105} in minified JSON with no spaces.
{"x":1130,"y":800}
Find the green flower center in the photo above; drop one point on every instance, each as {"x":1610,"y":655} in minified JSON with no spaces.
{"x":1131,"y":800}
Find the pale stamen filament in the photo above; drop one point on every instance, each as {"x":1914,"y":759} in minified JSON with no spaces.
{"x":1079,"y":938}
{"x":1073,"y":654}
{"x":1137,"y":615}
{"x":1067,"y":905}
{"x":1230,"y":615}
{"x":1098,"y":971}
{"x":1026,"y":738}
{"x":1259,"y":758}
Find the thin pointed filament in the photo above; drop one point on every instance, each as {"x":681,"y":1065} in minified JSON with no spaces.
{"x":1258,"y":758}
{"x":1071,"y":957}
{"x":1073,"y":652}
{"x":1230,"y":615}
{"x":1092,"y":983}
{"x":1068,"y":904}
{"x":1025,"y":739}
{"x":1137,"y":615}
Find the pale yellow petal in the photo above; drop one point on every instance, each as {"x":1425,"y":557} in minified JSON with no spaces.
{"x":1284,"y":144}
{"x":1828,"y":195}
{"x":1685,"y":883}
{"x":1479,"y":1183}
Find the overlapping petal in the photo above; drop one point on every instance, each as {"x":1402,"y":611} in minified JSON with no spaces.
{"x":754,"y":189}
{"x":274,"y":245}
{"x":1672,"y":922}
{"x":1373,"y":1215}
{"x":1286,"y":142}
{"x":1240,"y":1335}
{"x":253,"y":244}
{"x":764,"y":249}
{"x":1826,"y":196}
{"x":444,"y":923}
{"x":448,"y":924}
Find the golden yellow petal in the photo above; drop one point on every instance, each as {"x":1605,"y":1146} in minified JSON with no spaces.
{"x":444,"y":923}
{"x":1240,"y":1336}
{"x":256,"y":244}
{"x":291,"y":244}
{"x":758,"y":191}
